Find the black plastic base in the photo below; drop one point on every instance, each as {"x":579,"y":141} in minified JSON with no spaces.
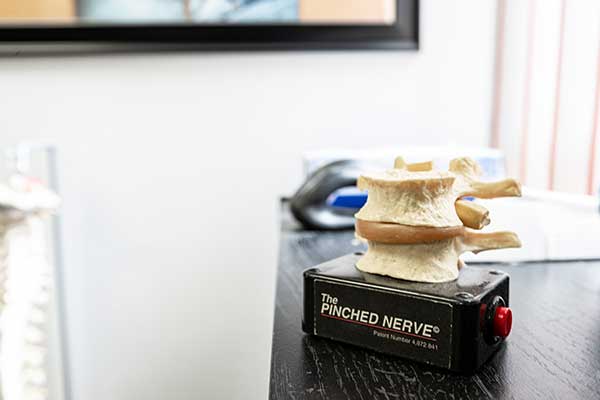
{"x":448,"y":325}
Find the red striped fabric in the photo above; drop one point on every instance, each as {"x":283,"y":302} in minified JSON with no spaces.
{"x":498,"y":65}
{"x":554,"y":142}
{"x":595,"y":128}
{"x":527,"y":93}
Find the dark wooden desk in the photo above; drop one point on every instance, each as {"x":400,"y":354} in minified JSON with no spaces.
{"x":553,"y":351}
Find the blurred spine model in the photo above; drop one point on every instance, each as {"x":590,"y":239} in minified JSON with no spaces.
{"x":25,"y":287}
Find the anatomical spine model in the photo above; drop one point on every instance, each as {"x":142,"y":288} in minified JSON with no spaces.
{"x":25,"y":288}
{"x":417,"y":223}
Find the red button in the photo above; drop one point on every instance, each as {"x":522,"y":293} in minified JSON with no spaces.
{"x":502,"y":321}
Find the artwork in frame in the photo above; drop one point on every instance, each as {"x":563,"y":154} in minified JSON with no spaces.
{"x":215,"y":23}
{"x":240,"y":11}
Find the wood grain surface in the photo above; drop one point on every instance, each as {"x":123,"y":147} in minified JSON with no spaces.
{"x":553,"y":351}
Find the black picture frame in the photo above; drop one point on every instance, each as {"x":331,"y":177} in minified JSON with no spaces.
{"x":402,"y":34}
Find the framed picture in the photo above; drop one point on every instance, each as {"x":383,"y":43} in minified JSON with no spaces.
{"x":214,"y":24}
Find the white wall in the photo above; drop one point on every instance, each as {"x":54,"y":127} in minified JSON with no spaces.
{"x":171,"y":166}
